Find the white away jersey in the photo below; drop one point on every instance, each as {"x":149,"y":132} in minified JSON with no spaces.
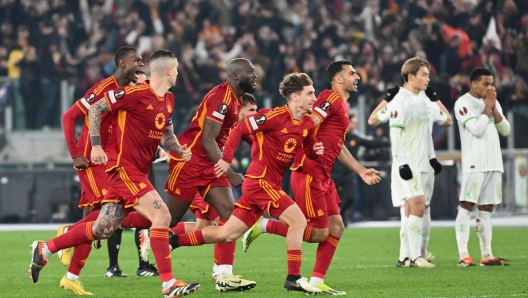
{"x":410,"y":113}
{"x":483,"y":153}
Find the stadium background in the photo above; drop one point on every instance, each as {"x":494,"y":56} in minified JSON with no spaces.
{"x":51,"y":52}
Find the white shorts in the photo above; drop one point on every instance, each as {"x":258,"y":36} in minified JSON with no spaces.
{"x":482,"y":188}
{"x":404,"y":189}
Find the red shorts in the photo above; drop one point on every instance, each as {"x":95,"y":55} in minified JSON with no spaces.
{"x":317,"y":198}
{"x":126,"y":186}
{"x":185,"y":180}
{"x":94,"y":185}
{"x":258,"y":197}
{"x":202,"y":209}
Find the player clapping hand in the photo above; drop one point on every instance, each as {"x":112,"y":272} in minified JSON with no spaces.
{"x":370,"y":176}
{"x":318,"y":148}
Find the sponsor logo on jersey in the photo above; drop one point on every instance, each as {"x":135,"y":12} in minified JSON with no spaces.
{"x":222,"y":109}
{"x":384,"y":110}
{"x":150,"y":107}
{"x":394,"y":114}
{"x":462,"y":111}
{"x":260,"y":119}
{"x":119,"y":93}
{"x":325,"y":106}
{"x":160,"y":121}
{"x":290,"y":144}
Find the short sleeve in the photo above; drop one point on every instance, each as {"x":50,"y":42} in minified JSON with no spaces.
{"x":396,"y":114}
{"x":122,"y":98}
{"x":92,"y":96}
{"x":436,"y":114}
{"x":463,"y":112}
{"x":383,"y":115}
{"x":216,"y":107}
{"x":324,"y":108}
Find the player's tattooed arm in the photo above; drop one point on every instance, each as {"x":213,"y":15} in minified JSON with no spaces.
{"x":170,"y":141}
{"x":94,"y":117}
{"x":111,"y":216}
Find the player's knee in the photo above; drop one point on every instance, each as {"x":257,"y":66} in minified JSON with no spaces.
{"x":162,"y":219}
{"x":336,"y":228}
{"x":319,"y":235}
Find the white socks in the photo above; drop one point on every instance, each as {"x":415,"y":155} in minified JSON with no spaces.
{"x":414,"y":233}
{"x":224,"y":271}
{"x":484,"y":233}
{"x":71,"y":276}
{"x":315,"y":281}
{"x":262,"y":225}
{"x":167,"y":284}
{"x":45,"y":250}
{"x":462,"y":232}
{"x":404,"y":241}
{"x":426,"y":230}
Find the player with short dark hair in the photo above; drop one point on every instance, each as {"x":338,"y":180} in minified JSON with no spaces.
{"x":93,"y":178}
{"x":142,"y":118}
{"x":278,"y":134}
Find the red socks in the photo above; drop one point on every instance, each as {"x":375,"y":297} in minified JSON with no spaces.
{"x":81,"y":234}
{"x":224,"y":252}
{"x":324,"y":255}
{"x":80,"y":255}
{"x":159,"y":240}
{"x":294,"y":262}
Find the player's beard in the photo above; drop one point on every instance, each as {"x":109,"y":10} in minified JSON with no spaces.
{"x":246,"y":86}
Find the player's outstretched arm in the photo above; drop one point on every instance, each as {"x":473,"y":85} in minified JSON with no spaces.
{"x":370,"y":176}
{"x":373,"y":119}
{"x":449,"y":120}
{"x":94,"y":119}
{"x":170,"y":142}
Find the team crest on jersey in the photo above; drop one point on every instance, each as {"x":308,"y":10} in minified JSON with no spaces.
{"x":290,"y":144}
{"x":325,"y":106}
{"x":462,"y":111}
{"x":260,"y":119}
{"x":90,"y":98}
{"x":441,"y":113}
{"x":119,"y":93}
{"x":394,"y":114}
{"x":222,"y":109}
{"x":384,"y":110}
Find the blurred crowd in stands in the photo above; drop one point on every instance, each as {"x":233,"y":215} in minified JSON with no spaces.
{"x":44,"y":42}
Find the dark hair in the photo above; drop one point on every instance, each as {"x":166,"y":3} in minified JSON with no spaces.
{"x":122,"y":52}
{"x":157,"y":54}
{"x":248,"y":99}
{"x":294,"y":83}
{"x":335,"y":67}
{"x":479,"y":72}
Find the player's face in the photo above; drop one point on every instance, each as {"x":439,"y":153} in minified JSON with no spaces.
{"x":133,"y":64}
{"x":247,"y":110}
{"x":248,"y":79}
{"x":421,"y":79}
{"x":307,"y":98}
{"x":350,"y":78}
{"x":482,"y":86}
{"x":173,"y":76}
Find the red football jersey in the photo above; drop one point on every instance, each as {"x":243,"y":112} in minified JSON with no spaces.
{"x":139,"y":122}
{"x":79,"y":110}
{"x":333,"y":111}
{"x":277,"y":138}
{"x":219,"y":105}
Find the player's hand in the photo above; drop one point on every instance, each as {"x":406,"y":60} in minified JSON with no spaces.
{"x":81,"y":163}
{"x":98,"y":155}
{"x":163,"y":154}
{"x":370,"y":176}
{"x":235,"y":179}
{"x":185,"y":152}
{"x":405,"y":172}
{"x":431,"y":93}
{"x":221,"y":168}
{"x":389,"y":95}
{"x":491,"y":98}
{"x":318,"y":148}
{"x":435,"y":165}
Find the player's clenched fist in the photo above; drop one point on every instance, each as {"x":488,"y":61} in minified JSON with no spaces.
{"x":99,"y":157}
{"x":318,"y":148}
{"x":185,"y":153}
{"x":221,"y":167}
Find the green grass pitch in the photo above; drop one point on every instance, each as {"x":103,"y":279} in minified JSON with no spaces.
{"x":364,"y":266}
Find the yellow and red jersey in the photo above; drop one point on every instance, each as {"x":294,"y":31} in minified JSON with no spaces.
{"x":139,"y":121}
{"x":331,"y":108}
{"x":219,"y":105}
{"x":278,"y":136}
